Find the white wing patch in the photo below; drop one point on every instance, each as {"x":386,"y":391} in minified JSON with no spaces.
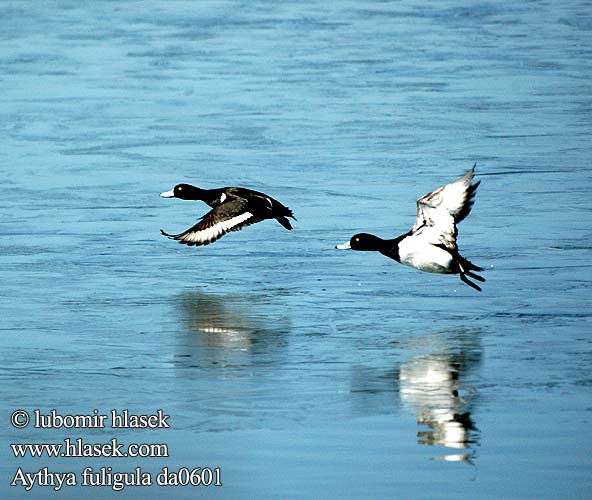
{"x":453,"y":199}
{"x":214,"y":232}
{"x":439,"y":211}
{"x":438,"y":229}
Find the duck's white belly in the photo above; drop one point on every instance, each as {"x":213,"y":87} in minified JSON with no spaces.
{"x":424,"y":256}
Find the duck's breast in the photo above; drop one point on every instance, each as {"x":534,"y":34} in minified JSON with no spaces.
{"x":424,"y":256}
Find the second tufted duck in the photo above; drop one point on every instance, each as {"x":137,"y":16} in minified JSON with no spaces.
{"x":232,"y":209}
{"x":430,"y":246}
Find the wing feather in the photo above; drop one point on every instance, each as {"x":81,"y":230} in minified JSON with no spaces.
{"x":215,"y":224}
{"x":438,"y":212}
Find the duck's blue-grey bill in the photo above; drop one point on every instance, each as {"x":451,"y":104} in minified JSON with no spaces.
{"x":344,"y":246}
{"x":168,"y":194}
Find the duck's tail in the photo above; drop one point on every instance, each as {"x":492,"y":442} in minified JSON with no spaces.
{"x":284,"y":222}
{"x":466,"y":268}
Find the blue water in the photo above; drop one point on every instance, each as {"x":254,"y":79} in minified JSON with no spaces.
{"x":301,"y":371}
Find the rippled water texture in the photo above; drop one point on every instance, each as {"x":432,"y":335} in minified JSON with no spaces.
{"x":301,"y":371}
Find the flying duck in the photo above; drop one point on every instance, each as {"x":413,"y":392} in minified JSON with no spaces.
{"x":430,"y":246}
{"x":232,"y":209}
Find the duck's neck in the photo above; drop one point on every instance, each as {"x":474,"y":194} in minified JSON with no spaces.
{"x":209,"y":196}
{"x":390,"y":248}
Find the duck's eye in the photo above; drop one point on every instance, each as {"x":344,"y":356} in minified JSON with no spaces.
{"x":179,"y":188}
{"x":357,"y":239}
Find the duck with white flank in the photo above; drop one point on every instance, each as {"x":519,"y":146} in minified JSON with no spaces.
{"x":430,"y":246}
{"x":232,"y":209}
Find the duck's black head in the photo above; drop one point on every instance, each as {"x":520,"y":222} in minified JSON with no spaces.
{"x":184,"y":191}
{"x":364,"y":242}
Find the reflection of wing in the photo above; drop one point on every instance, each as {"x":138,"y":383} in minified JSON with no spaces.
{"x":216,"y":223}
{"x":438,"y":212}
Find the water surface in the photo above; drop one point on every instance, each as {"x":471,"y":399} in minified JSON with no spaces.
{"x":299,"y":370}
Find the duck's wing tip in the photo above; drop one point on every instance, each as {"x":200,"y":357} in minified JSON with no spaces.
{"x":180,"y":238}
{"x":164,"y":233}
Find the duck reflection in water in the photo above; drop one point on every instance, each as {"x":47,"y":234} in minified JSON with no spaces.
{"x":432,"y":385}
{"x":227,"y":329}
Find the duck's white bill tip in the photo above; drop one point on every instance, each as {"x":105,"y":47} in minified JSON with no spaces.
{"x":344,"y":246}
{"x":168,"y":194}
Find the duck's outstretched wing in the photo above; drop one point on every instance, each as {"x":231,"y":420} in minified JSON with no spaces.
{"x":216,"y":223}
{"x":438,"y":212}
